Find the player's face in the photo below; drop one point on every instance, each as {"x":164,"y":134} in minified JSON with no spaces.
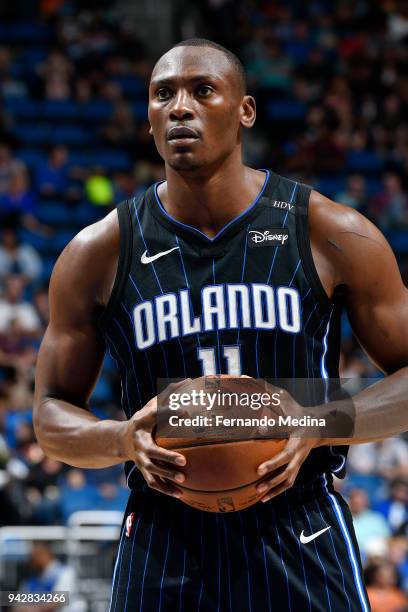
{"x":196,"y":108}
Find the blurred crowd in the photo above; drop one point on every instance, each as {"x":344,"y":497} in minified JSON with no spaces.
{"x":330,"y":79}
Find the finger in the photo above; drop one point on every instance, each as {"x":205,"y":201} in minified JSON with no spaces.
{"x":289,"y":477}
{"x":282,"y":458}
{"x":156,"y":483}
{"x":275,"y":492}
{"x":269,"y":484}
{"x":162,"y":454}
{"x":164,"y":472}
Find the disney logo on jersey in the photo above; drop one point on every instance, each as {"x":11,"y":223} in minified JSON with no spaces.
{"x":272,"y":236}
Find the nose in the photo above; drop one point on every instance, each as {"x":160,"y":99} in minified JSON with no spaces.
{"x":181,"y":108}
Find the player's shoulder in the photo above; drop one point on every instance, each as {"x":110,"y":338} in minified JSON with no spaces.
{"x":328,"y":219}
{"x":98,"y":236}
{"x":90,"y":259}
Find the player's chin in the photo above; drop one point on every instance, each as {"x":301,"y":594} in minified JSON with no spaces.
{"x":184,"y":162}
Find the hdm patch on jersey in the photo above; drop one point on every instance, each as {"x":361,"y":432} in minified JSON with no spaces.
{"x":224,"y":306}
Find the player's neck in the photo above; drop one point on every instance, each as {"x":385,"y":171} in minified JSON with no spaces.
{"x":210,"y":202}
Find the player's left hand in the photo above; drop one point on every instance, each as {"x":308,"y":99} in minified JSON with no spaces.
{"x":288,"y":462}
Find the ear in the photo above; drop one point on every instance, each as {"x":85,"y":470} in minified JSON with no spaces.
{"x":248,"y":111}
{"x":150,"y":131}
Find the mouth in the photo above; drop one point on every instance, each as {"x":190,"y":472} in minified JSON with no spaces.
{"x":182,"y":135}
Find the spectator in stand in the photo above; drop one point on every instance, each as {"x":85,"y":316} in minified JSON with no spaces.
{"x":389,"y":209}
{"x":13,"y":308}
{"x":371,"y":528}
{"x":355,"y":193}
{"x":51,"y":176}
{"x":10,"y":86}
{"x":42,"y":305}
{"x":388,"y":458}
{"x":76,"y":494}
{"x":111,"y":497}
{"x":398,"y":555}
{"x":395,"y":507}
{"x":382,"y":587}
{"x":56,"y":73}
{"x":17,"y":258}
{"x":48,"y":576}
{"x":19,"y":204}
{"x":18,"y":197}
{"x":268,"y":66}
{"x":9,"y":167}
{"x":120,"y":130}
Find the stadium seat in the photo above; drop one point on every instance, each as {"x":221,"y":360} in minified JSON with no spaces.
{"x":131,"y":85}
{"x":59,"y":109}
{"x":111,"y":160}
{"x":85,"y":214}
{"x":364,"y":161}
{"x":286,"y":110}
{"x":330,"y":185}
{"x":55,"y":213}
{"x":31,"y":157}
{"x":70,"y":135}
{"x":95,"y":111}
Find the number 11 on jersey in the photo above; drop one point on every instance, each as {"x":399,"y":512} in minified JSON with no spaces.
{"x":232,"y":355}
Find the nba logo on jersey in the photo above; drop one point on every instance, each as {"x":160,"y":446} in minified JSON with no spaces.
{"x":129,"y":523}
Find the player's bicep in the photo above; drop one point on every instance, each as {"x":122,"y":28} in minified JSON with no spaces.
{"x":68,"y":364}
{"x":72,"y":349}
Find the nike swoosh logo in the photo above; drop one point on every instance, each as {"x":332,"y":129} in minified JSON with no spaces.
{"x":306,"y":539}
{"x":145,"y":259}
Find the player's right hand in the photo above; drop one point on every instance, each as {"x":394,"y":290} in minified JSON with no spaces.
{"x":157,"y":465}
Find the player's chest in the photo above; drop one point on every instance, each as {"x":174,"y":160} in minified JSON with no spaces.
{"x":176,"y":290}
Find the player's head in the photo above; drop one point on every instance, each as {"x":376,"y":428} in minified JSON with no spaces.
{"x":199,"y":87}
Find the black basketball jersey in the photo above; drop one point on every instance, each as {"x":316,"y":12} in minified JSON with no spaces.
{"x":247,"y":301}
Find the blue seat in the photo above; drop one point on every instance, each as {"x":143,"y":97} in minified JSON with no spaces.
{"x":24,"y":108}
{"x":31,"y":157}
{"x":55,"y":213}
{"x":330,"y":185}
{"x":286,"y":110}
{"x":111,"y":160}
{"x":364,"y":161}
{"x":131,"y":85}
{"x":60,"y":241}
{"x":37,"y":241}
{"x":374,"y":185}
{"x":60,"y":109}
{"x":32,"y":134}
{"x":85,"y":214}
{"x":399,"y":240}
{"x":25,"y":33}
{"x":96,"y":111}
{"x":48,"y":266}
{"x":140,"y":110}
{"x":70,"y":135}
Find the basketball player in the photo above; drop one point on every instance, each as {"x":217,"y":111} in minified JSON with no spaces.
{"x":171,"y":284}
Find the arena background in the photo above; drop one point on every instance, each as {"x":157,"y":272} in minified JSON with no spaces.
{"x":331,"y":82}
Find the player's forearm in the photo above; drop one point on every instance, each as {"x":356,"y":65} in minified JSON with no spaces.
{"x":378,"y":412}
{"x":75,"y":436}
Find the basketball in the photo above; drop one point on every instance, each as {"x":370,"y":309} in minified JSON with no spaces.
{"x":221,"y":473}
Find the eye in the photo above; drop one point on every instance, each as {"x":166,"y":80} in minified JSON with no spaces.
{"x":163,"y":93}
{"x":204,"y":90}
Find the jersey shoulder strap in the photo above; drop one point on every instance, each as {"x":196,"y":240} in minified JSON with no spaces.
{"x":124,"y":262}
{"x":304,"y":246}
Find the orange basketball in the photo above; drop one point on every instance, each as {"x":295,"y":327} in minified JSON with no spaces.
{"x":221,"y":474}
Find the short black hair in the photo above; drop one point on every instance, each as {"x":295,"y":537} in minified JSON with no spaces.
{"x":231,"y":57}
